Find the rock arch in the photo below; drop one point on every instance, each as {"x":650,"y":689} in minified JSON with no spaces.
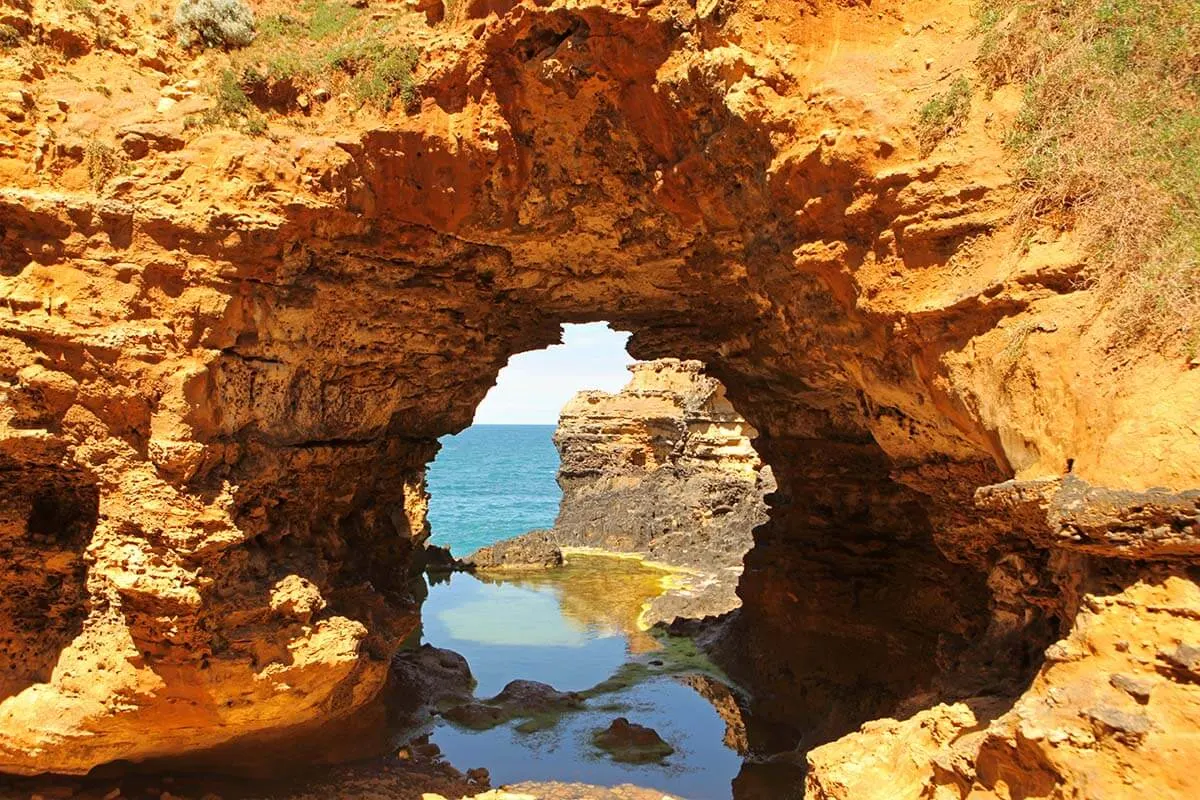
{"x":255,"y":369}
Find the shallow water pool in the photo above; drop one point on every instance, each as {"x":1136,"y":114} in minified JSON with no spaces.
{"x":575,"y":628}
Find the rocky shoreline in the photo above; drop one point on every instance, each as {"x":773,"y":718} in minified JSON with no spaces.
{"x":663,"y":471}
{"x":239,"y":310}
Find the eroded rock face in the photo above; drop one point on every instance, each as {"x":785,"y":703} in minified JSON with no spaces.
{"x":224,"y":367}
{"x":532,"y":550}
{"x":1112,"y":712}
{"x":665,"y":469}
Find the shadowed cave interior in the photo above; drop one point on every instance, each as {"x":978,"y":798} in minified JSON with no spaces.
{"x":850,"y":610}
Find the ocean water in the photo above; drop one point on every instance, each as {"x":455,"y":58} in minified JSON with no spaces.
{"x":574,"y":627}
{"x":492,"y":482}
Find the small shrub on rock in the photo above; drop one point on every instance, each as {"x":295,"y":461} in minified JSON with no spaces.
{"x":232,"y":108}
{"x":102,"y":162}
{"x":9,"y":36}
{"x":215,"y":23}
{"x":944,"y":114}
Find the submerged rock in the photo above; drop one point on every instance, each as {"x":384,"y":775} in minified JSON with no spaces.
{"x":518,"y":699}
{"x":427,"y":678}
{"x":631,"y":743}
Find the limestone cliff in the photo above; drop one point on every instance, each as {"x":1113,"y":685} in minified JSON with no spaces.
{"x":666,"y":469}
{"x":237,"y":310}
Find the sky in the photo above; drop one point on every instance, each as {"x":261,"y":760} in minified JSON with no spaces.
{"x":535,"y":386}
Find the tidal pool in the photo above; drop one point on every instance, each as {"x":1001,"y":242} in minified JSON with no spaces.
{"x":575,"y":628}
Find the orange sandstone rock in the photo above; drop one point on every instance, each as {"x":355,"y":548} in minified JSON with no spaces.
{"x":226,"y":358}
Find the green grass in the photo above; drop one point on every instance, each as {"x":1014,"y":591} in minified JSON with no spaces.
{"x":386,"y":78}
{"x":330,"y":43}
{"x":1108,"y":139}
{"x":231,"y":98}
{"x":279,"y":26}
{"x":329,"y":19}
{"x":944,"y":114}
{"x":319,"y":20}
{"x":232,"y":108}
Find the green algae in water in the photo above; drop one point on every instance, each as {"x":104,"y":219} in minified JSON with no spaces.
{"x":538,"y":723}
{"x":580,"y":634}
{"x":678,"y":655}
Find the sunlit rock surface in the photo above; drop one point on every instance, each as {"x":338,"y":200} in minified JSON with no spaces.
{"x":665,"y":469}
{"x":224,"y":366}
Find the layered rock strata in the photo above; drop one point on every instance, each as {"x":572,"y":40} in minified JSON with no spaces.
{"x":226,"y":357}
{"x":665,"y":469}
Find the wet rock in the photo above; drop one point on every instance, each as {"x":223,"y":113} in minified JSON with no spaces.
{"x":439,"y":560}
{"x":477,"y":716}
{"x":426,"y":678}
{"x":631,"y":743}
{"x":536,"y":697}
{"x":533,"y":550}
{"x":774,"y":779}
{"x":520,"y":698}
{"x":479,"y":775}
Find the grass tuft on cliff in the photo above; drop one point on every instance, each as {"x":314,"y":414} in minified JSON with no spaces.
{"x":335,"y":45}
{"x":1108,"y":137}
{"x":103,"y":162}
{"x":232,"y":108}
{"x":324,"y":19}
{"x":944,"y":114}
{"x":9,"y":36}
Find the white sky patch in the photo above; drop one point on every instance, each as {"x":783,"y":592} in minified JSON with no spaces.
{"x":534,"y":386}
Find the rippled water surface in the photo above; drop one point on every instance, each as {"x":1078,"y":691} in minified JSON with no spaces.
{"x":492,"y":482}
{"x":575,"y":628}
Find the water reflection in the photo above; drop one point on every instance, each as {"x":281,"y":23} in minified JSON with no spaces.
{"x":576,"y":629}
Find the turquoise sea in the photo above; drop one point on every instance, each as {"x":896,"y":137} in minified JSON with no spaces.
{"x":492,"y":482}
{"x":573,"y":627}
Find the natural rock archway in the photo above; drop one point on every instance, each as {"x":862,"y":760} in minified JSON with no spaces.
{"x":237,"y":359}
